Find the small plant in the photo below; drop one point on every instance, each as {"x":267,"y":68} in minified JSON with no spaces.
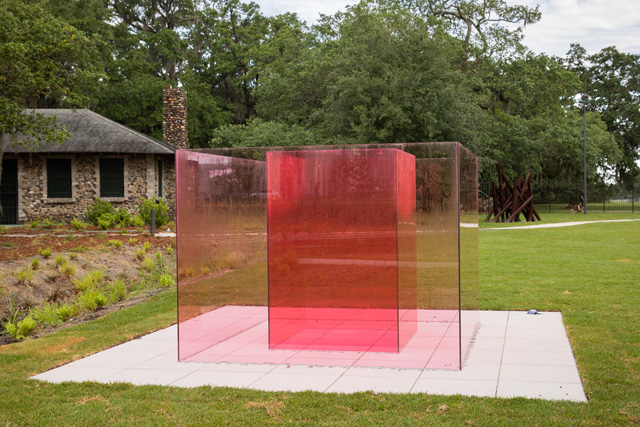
{"x":101,"y":236}
{"x":171,"y":225}
{"x":70,"y":237}
{"x":45,"y":252}
{"x":91,"y":299}
{"x":148,"y":263}
{"x":24,"y":275}
{"x":34,"y":222}
{"x":162,"y":215}
{"x":10,"y":325}
{"x":80,"y":249}
{"x":46,"y":315}
{"x":78,"y":224}
{"x":73,"y":256}
{"x":146,"y":246}
{"x":97,"y":209}
{"x":49,"y":223}
{"x":35,"y":264}
{"x":67,"y":311}
{"x":117,"y":291}
{"x":68,"y":269}
{"x":132,"y":241}
{"x":8,"y":244}
{"x":139,"y":253}
{"x":117,"y":244}
{"x":60,"y":260}
{"x":170,"y":250}
{"x":91,"y":280}
{"x":22,"y":329}
{"x":165,"y":280}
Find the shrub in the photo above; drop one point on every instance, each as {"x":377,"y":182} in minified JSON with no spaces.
{"x":78,"y":224}
{"x":67,"y":311}
{"x":137,"y":221}
{"x":122,"y":217}
{"x":24,"y":275}
{"x":45,"y":252}
{"x":91,"y":299}
{"x":106,"y":221}
{"x":162,"y":215}
{"x":46,"y":315}
{"x":97,"y":209}
{"x":35,"y":264}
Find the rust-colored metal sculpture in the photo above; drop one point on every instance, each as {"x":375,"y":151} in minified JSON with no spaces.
{"x":509,"y":202}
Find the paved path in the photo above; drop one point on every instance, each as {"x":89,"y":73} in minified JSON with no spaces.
{"x":560,"y":224}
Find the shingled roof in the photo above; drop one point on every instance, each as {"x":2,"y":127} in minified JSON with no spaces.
{"x":92,"y":133}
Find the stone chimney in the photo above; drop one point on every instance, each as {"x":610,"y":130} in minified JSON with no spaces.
{"x":174,"y":118}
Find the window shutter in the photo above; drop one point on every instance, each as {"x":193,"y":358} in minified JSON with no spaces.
{"x":159,"y":178}
{"x":59,"y":178}
{"x":111,"y":177}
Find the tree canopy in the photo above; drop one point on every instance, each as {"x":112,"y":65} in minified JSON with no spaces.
{"x":381,"y":71}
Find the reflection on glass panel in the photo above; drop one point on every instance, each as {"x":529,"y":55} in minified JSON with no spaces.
{"x":469,"y":247}
{"x":285,"y":252}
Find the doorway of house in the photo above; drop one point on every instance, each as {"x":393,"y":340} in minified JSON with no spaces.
{"x":9,"y":191}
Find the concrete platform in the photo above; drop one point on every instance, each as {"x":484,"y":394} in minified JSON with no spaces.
{"x":514,"y":354}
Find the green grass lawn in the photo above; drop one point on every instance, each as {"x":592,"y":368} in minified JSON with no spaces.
{"x":552,"y":218}
{"x":590,"y":273}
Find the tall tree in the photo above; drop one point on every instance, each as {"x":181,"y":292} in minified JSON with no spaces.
{"x":611,"y":79}
{"x":43,"y":61}
{"x":479,"y":23}
{"x":380,"y":78}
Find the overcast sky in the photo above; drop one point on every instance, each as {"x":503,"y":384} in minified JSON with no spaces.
{"x":594,"y":24}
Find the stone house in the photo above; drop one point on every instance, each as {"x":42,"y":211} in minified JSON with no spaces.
{"x":102,"y":159}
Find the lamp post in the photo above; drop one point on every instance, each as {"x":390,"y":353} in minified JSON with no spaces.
{"x":584,"y":149}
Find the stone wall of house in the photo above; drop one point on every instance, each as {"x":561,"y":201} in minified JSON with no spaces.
{"x":140,"y":180}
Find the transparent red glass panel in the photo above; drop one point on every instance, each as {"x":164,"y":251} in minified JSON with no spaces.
{"x":423,"y":232}
{"x":339,"y":223}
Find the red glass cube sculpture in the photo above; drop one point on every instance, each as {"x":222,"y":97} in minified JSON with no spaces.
{"x":328,"y":255}
{"x":342,"y":249}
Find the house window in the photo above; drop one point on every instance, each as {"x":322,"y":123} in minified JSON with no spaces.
{"x":59,"y":178}
{"x":159,"y":178}
{"x":111,"y":177}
